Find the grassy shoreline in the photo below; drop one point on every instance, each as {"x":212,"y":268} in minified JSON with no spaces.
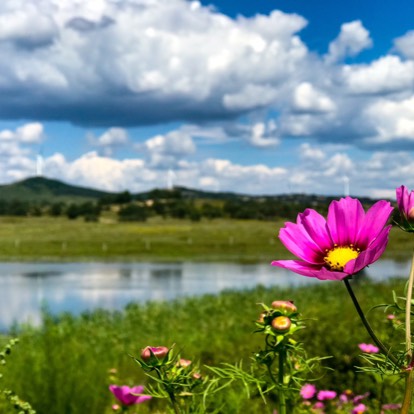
{"x":157,"y":240}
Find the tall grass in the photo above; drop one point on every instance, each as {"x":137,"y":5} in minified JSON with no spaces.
{"x":46,"y":238}
{"x":62,"y":367}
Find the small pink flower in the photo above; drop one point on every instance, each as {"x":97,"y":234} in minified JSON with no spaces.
{"x":158,"y":352}
{"x":319,"y":405}
{"x":129,"y":396}
{"x":359,"y":409}
{"x":115,"y":407}
{"x":390,"y":317}
{"x":391,"y":406}
{"x":340,"y":245}
{"x":184,"y":363}
{"x":368,"y":348}
{"x":326,"y":395}
{"x":308,"y":391}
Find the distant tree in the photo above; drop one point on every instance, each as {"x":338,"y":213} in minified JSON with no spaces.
{"x":210,"y":211}
{"x":123,"y":198}
{"x":18,"y":208}
{"x":133,"y":212}
{"x":72,"y":211}
{"x":56,"y":209}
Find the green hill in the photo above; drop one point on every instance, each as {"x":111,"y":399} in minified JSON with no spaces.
{"x":45,"y":189}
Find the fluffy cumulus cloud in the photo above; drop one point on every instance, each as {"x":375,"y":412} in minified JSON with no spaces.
{"x":141,"y":61}
{"x":219,"y":81}
{"x":352,"y":39}
{"x":110,"y":140}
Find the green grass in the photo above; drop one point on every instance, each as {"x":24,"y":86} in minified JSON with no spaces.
{"x":248,"y":241}
{"x":63,"y":366}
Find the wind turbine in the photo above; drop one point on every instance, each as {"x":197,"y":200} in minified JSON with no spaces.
{"x":39,"y":165}
{"x":170,"y":178}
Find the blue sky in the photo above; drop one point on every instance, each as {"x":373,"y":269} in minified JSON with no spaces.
{"x":257,"y":97}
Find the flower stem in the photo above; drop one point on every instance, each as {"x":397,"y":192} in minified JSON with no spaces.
{"x":281,"y":375}
{"x":409,"y":378}
{"x":365,"y":322}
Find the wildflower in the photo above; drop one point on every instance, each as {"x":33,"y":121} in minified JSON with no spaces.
{"x":391,"y":406}
{"x":183,"y":363}
{"x":340,"y":246}
{"x":359,"y":409}
{"x":115,"y":407}
{"x":368,"y":348}
{"x":308,"y":391}
{"x":285,"y":306}
{"x":391,"y":317}
{"x":405,"y":203}
{"x":158,"y":352}
{"x":281,"y":324}
{"x":129,"y":396}
{"x":326,"y":395}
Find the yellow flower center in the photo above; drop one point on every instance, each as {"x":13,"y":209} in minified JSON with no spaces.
{"x":339,"y":256}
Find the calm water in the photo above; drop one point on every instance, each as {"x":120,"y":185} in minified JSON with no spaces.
{"x":76,"y":287}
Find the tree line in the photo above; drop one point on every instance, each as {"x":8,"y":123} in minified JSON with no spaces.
{"x":167,"y":204}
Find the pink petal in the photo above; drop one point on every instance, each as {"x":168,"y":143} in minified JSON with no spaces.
{"x":143,"y":398}
{"x":374,"y":222}
{"x":315,"y":225}
{"x":138,"y":389}
{"x":297,"y":241}
{"x":402,"y":199}
{"x":371,"y":255}
{"x":306,"y":269}
{"x":344,"y":220}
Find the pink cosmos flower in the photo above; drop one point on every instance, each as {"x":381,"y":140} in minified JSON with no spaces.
{"x":127,"y":395}
{"x":326,"y":395}
{"x":405,"y":202}
{"x":359,"y":409}
{"x":340,"y":246}
{"x":308,"y":391}
{"x":368,"y":348}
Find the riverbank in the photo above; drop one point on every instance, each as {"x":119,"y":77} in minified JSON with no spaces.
{"x":157,"y":240}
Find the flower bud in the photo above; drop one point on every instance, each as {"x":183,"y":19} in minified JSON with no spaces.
{"x":285,"y":306}
{"x":159,"y":352}
{"x":183,"y":363}
{"x":281,"y":324}
{"x":405,"y":202}
{"x":261,"y":317}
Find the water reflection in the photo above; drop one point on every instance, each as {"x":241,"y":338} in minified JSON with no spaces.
{"x":76,"y":287}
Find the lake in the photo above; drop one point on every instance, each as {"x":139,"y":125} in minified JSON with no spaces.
{"x":76,"y":287}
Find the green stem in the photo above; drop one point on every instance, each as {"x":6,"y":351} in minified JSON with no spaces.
{"x":170,"y":394}
{"x":409,"y":378}
{"x":281,"y":375}
{"x":365,"y":322}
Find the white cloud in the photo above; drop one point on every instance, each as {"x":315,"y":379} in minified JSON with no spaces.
{"x":405,"y":44}
{"x":110,"y":140}
{"x":393,"y":121}
{"x":31,"y":133}
{"x":352,"y":39}
{"x":387,"y":74}
{"x":142,"y":61}
{"x":264,"y":134}
{"x":307,"y":98}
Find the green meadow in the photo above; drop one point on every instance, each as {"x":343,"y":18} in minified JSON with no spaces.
{"x":228,"y":240}
{"x":64,"y":366}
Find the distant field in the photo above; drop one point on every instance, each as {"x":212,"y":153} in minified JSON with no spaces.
{"x":46,"y":238}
